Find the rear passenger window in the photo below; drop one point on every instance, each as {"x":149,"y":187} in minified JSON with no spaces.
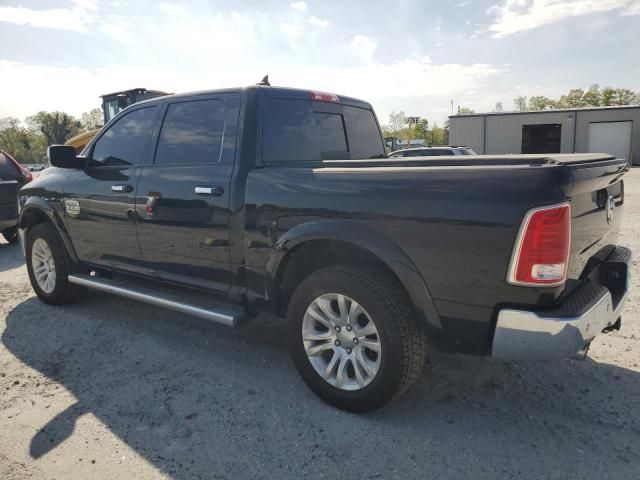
{"x":192,"y":132}
{"x":294,"y":132}
{"x":364,"y":136}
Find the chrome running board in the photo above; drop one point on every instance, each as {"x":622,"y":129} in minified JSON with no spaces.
{"x":225,"y":315}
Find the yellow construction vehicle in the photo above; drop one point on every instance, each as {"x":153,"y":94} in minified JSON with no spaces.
{"x":112,"y":104}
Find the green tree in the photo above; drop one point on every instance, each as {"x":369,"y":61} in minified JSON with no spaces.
{"x":465,"y":111}
{"x":540,"y":102}
{"x":593,"y":96}
{"x":24,"y":145}
{"x":397,"y":123}
{"x":520,"y":104}
{"x":573,"y":99}
{"x":56,"y":127}
{"x":624,"y":96}
{"x":422,"y":129}
{"x":439,"y":136}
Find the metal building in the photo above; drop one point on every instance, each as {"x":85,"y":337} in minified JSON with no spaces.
{"x":614,"y":130}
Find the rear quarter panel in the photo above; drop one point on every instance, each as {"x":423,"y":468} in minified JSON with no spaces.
{"x":457,"y":225}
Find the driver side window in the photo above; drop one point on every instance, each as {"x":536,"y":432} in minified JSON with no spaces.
{"x":123,"y":144}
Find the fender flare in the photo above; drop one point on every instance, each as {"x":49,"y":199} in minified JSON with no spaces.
{"x":372,"y":241}
{"x":41,"y":206}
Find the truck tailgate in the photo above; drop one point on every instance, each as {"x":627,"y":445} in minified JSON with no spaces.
{"x":597,"y":200}
{"x":8,"y":200}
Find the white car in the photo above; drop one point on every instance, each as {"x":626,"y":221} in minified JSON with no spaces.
{"x":431,"y":152}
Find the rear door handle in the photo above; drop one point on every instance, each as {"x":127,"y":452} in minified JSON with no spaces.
{"x":122,"y":188}
{"x":213,"y":191}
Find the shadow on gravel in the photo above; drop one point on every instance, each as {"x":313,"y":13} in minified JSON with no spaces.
{"x":10,"y":256}
{"x":204,"y":401}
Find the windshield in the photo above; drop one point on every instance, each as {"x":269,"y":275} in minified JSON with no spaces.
{"x":111,"y":109}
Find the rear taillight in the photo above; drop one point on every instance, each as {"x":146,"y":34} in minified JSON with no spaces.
{"x":324,"y":97}
{"x":541,"y":253}
{"x":26,"y":174}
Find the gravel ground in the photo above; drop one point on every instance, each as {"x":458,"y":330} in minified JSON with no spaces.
{"x":109,"y":388}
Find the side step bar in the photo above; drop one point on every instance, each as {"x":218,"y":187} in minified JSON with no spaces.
{"x":226,"y":316}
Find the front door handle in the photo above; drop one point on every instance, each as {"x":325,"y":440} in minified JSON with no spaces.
{"x":213,"y":191}
{"x":122,"y":188}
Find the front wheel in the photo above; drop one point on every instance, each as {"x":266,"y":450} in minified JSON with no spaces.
{"x":354,"y":338}
{"x":11,"y":235}
{"x":49,"y":265}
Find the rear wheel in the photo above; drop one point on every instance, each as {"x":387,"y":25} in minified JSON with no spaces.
{"x":49,"y":265}
{"x":11,"y":235}
{"x":354,"y":338}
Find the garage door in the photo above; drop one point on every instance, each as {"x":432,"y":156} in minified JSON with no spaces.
{"x":611,"y":137}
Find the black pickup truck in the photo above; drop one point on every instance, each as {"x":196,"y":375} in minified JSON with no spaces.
{"x":284,"y":200}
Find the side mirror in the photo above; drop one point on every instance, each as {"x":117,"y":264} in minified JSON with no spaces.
{"x":64,"y":156}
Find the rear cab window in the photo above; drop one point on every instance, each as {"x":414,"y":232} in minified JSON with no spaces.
{"x":298,"y":129}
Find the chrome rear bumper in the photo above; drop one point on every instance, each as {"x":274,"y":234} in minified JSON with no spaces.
{"x":530,"y":335}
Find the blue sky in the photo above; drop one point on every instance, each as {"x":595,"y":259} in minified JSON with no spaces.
{"x":411,"y":55}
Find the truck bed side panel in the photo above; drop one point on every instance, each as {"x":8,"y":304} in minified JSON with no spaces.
{"x":457,"y":225}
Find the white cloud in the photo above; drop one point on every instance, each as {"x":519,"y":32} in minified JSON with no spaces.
{"x":172,"y":8}
{"x":120,"y":31}
{"x":293,"y":54}
{"x":77,"y":18}
{"x":521,"y":15}
{"x":302,"y":6}
{"x":318,"y":22}
{"x":291,"y":31}
{"x":633,"y":9}
{"x":363,"y":46}
{"x":374,"y":82}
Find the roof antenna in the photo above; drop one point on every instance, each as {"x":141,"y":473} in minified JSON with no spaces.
{"x":265,"y":81}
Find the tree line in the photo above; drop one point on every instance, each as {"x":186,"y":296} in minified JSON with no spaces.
{"x":594,"y":96}
{"x":28,"y":142}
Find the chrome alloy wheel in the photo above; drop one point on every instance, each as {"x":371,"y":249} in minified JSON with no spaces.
{"x":341,"y":341}
{"x":44,"y":268}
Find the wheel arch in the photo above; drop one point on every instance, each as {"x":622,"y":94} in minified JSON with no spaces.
{"x":314,"y":245}
{"x":35,"y":211}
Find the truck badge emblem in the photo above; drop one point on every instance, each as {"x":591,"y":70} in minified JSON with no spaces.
{"x":72,"y":207}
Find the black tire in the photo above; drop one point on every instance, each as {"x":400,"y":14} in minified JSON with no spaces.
{"x":403,"y":344}
{"x":63,"y":291}
{"x":11,"y":235}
